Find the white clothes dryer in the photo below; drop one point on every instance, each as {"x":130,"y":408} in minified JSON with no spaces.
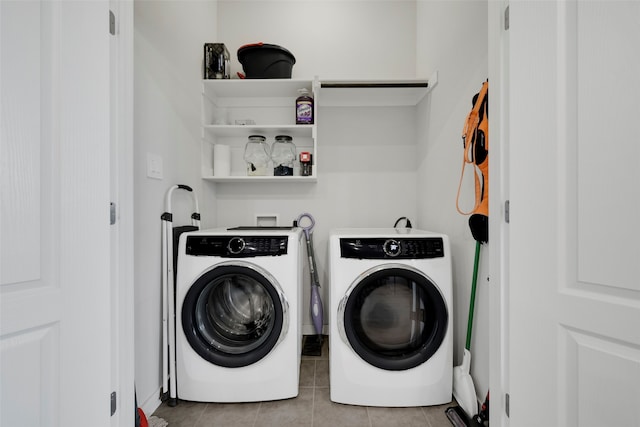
{"x":238,"y":318}
{"x":391,"y":335}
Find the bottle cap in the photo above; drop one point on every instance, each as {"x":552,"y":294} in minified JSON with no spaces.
{"x":305,"y":156}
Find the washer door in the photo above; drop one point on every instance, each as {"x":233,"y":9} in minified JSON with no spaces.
{"x":394,"y":317}
{"x":234,"y":314}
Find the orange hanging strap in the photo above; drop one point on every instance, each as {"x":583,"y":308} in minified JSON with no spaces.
{"x":475,"y":138}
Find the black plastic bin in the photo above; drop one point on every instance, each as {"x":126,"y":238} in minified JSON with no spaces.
{"x":266,"y":61}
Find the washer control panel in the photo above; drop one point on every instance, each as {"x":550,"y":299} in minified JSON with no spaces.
{"x":391,"y":248}
{"x":236,"y":246}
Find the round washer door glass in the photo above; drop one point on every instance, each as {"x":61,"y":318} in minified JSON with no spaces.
{"x":234,"y":315}
{"x":394,"y":318}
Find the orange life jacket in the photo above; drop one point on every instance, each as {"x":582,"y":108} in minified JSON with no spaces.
{"x":475,"y":138}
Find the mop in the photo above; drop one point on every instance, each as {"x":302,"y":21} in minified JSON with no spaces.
{"x":463,"y":388}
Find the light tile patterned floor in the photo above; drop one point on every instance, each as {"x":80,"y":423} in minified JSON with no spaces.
{"x":311,"y":408}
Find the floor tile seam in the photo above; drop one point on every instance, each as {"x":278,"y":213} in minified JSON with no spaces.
{"x":315,"y":373}
{"x":255,"y":416}
{"x":313,"y":406}
{"x":425,"y":416}
{"x":369,"y":416}
{"x":204,"y":409}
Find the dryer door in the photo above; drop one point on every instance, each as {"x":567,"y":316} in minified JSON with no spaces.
{"x":234,"y":314}
{"x":394,"y":317}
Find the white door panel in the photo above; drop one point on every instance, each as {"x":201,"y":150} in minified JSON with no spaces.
{"x":29,"y":395}
{"x":575,"y":195}
{"x":21,"y":132}
{"x":603,"y":45}
{"x":54,"y":271}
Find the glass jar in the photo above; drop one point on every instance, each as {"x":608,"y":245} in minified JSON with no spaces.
{"x":283,"y":154}
{"x":256,"y":154}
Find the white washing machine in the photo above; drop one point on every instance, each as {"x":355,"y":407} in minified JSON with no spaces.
{"x":238,"y":318}
{"x":391,"y":335}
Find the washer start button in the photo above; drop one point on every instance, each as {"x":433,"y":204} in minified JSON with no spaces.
{"x":236,"y":245}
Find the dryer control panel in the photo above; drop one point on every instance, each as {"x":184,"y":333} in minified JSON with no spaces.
{"x":391,"y":248}
{"x":236,"y":246}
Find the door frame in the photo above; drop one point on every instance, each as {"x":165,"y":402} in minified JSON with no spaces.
{"x":498,"y":60}
{"x":122,"y":268}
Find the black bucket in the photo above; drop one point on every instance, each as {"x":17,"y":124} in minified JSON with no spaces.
{"x":266,"y":61}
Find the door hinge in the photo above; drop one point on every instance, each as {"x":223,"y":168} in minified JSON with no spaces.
{"x":112,"y":23}
{"x":506,"y":403}
{"x":112,"y":213}
{"x":113,"y":403}
{"x":506,"y":212}
{"x":506,"y":18}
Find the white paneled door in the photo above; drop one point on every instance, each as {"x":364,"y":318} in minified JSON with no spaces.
{"x":55,"y":328}
{"x":574,"y":333}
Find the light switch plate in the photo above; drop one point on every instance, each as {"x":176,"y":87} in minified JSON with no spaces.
{"x":154,"y":166}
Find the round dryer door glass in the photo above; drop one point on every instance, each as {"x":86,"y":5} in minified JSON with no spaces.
{"x":233,"y":315}
{"x":394,"y":318}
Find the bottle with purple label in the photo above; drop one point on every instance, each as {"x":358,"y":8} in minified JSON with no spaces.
{"x":304,"y":108}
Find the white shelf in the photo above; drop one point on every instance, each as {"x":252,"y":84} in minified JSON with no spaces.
{"x":256,"y":88}
{"x":270,"y":103}
{"x":295,"y":131}
{"x":245,"y":179}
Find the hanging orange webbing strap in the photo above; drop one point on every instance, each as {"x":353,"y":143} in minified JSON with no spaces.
{"x":475,"y":138}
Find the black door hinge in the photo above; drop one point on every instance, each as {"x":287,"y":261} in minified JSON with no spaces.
{"x":113,"y":403}
{"x":506,"y":212}
{"x":506,"y":18}
{"x":112,"y":213}
{"x":112,"y":23}
{"x":506,"y":404}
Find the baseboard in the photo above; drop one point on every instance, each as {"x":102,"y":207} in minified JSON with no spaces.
{"x":310,"y":330}
{"x":152,"y":403}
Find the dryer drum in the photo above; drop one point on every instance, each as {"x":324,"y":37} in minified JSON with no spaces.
{"x":395,"y":319}
{"x":232,"y":316}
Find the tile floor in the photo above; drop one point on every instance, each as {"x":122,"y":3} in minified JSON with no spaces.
{"x":311,"y":408}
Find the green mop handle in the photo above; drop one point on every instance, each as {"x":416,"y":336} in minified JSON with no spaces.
{"x":473,"y":295}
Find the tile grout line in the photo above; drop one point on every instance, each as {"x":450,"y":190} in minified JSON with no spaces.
{"x":424,"y":414}
{"x":313,"y":399}
{"x":201,"y":414}
{"x":255,"y":419}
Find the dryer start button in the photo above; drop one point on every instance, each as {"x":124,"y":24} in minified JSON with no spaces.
{"x":392,"y":248}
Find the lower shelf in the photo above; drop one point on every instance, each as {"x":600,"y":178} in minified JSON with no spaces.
{"x":280,"y":179}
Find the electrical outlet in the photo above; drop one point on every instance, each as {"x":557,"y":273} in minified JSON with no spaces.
{"x":154,"y":166}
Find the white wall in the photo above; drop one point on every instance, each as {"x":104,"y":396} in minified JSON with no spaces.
{"x":168,"y":42}
{"x":452,"y":38}
{"x":351,"y":39}
{"x":366,"y":156}
{"x":374,"y":164}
